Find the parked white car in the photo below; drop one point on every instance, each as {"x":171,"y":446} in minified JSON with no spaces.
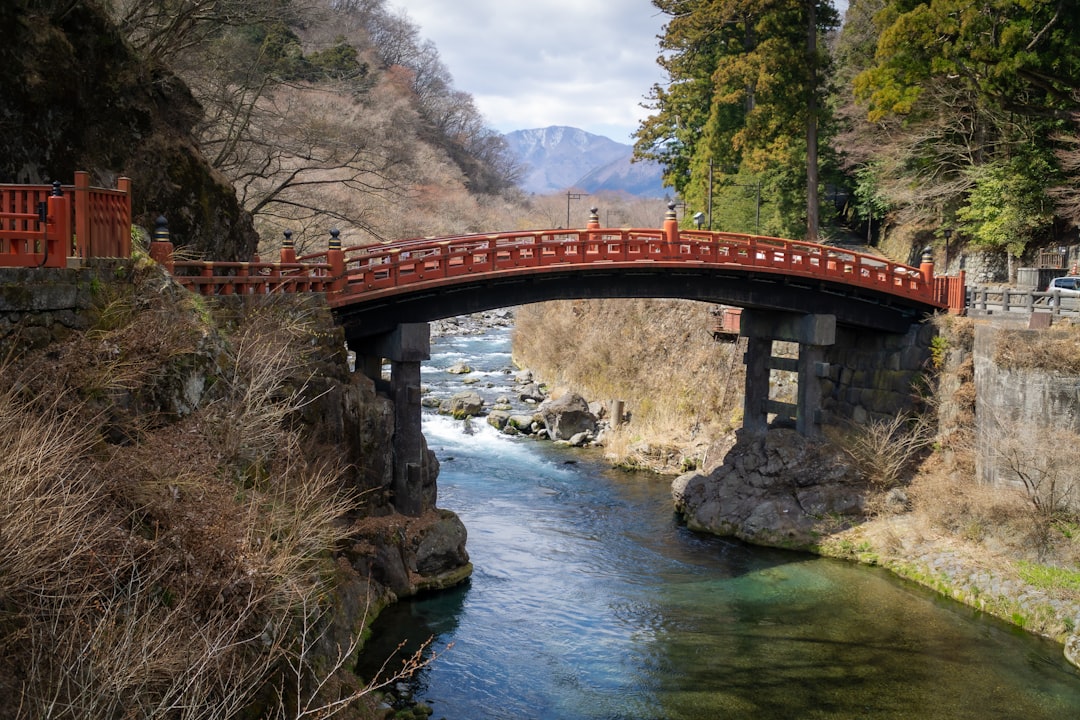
{"x":1068,"y":285}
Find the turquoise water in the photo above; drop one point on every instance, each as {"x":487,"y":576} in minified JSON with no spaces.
{"x":590,"y":601}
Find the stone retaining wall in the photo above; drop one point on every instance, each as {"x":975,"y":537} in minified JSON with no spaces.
{"x":38,"y":306}
{"x":1026,"y":417}
{"x":874,"y":375}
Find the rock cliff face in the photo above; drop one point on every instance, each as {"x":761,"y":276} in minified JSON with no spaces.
{"x":74,"y":97}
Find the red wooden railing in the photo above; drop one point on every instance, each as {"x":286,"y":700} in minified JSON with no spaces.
{"x":370,"y":271}
{"x":78,"y":221}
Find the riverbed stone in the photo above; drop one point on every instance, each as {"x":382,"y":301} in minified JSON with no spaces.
{"x":463,"y":404}
{"x":459,"y":368}
{"x":498,"y":419}
{"x":779,"y":489}
{"x":566,"y":416}
{"x":531,"y":393}
{"x":522,"y":423}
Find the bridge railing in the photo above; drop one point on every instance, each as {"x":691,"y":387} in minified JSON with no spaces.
{"x":44,"y":225}
{"x":1018,"y":303}
{"x":385,"y":268}
{"x":374,"y":268}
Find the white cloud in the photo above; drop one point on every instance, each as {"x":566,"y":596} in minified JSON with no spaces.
{"x":528,"y":64}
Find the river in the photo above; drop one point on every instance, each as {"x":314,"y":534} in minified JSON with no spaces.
{"x":589,"y":601}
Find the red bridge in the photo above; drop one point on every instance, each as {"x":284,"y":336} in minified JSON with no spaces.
{"x":374,"y":288}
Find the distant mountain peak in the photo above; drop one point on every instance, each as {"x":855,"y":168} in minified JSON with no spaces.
{"x":558,"y":158}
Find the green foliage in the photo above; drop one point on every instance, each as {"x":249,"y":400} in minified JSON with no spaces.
{"x":966,"y":103}
{"x":939,"y":348}
{"x":1007,"y":206}
{"x":870,"y":204}
{"x":741,"y":81}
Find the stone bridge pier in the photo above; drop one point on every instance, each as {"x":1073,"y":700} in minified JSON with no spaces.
{"x":406,"y":347}
{"x":843,"y":374}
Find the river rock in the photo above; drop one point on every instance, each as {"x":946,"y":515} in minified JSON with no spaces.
{"x":521,"y":423}
{"x":531,"y":393}
{"x":774,"y":489}
{"x":459,"y":368}
{"x":1072,"y":649}
{"x":567,"y":416}
{"x":441,"y":549}
{"x":524,"y":377}
{"x":462,"y":405}
{"x":581,"y":439}
{"x":498,"y":419}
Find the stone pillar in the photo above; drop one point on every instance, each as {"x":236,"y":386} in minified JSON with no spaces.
{"x":813,"y":333}
{"x":756,"y":395}
{"x":812,"y":367}
{"x":408,"y":438}
{"x":405,"y":347}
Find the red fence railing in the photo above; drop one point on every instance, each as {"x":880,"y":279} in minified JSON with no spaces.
{"x":75,"y":221}
{"x":368,"y":271}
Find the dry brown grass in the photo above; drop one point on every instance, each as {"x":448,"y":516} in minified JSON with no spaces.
{"x":596,"y":348}
{"x":180,"y":568}
{"x":1054,"y":349}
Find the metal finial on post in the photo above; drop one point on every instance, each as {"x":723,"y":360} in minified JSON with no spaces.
{"x":335,"y":239}
{"x":926,"y":266}
{"x":57,"y":189}
{"x":288,"y":239}
{"x":161,"y":229}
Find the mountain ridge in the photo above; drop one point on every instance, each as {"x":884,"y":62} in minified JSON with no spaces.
{"x":559,"y":158}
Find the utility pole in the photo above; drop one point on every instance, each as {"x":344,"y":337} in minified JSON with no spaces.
{"x":572,"y":196}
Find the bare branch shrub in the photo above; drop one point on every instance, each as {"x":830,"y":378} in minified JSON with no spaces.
{"x":1042,"y":462}
{"x":156,"y":579}
{"x":885,"y":450}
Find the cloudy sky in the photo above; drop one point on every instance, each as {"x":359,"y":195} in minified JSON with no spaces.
{"x":533,"y":63}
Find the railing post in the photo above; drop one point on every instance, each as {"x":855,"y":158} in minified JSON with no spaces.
{"x":958,"y":303}
{"x":83,"y":239}
{"x":594,"y":219}
{"x":336,"y":259}
{"x":288,"y":250}
{"x":57,"y":229}
{"x":671,"y":229}
{"x":161,"y":247}
{"x":926,"y":267}
{"x":123,"y":184}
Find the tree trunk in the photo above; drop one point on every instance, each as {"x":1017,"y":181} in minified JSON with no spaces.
{"x":812,"y":219}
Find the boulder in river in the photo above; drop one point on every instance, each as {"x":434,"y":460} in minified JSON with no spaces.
{"x":567,"y":416}
{"x":462,"y":405}
{"x":781,"y":489}
{"x":459,"y":368}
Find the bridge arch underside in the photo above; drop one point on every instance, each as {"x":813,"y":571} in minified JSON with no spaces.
{"x":378,"y":313}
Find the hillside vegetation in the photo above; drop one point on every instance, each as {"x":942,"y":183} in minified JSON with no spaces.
{"x":168,"y":523}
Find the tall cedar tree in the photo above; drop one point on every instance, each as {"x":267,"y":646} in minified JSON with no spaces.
{"x":967,"y":98}
{"x":744,"y":102}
